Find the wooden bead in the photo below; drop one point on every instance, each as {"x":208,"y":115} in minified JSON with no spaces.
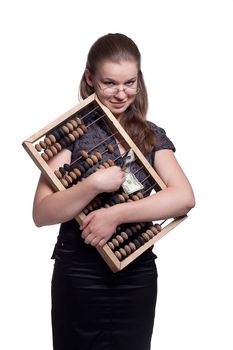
{"x":132,"y":246}
{"x":76,"y":134}
{"x":110,"y":148}
{"x":58,"y":174}
{"x":54,"y":150}
{"x":65,"y":129}
{"x":94,"y":158}
{"x":115,"y":242}
{"x":111,"y":246}
{"x":38,"y":147}
{"x":52,"y":138}
{"x":120,"y":239}
{"x":45,"y":157}
{"x":127,"y":249}
{"x":47,"y":141}
{"x":124,"y":235}
{"x":98,"y":155}
{"x":118,"y":255}
{"x":58,"y":146}
{"x":123,"y":252}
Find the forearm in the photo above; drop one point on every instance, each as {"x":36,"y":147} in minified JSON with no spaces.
{"x":168,"y":203}
{"x":64,"y":205}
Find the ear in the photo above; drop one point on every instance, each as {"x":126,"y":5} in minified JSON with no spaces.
{"x":88,"y":77}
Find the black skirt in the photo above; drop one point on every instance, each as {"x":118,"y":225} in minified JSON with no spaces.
{"x":96,"y":309}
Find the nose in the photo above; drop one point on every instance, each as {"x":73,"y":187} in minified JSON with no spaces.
{"x":121,"y":92}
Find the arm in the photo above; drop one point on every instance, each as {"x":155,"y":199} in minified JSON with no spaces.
{"x":55,"y":207}
{"x":176,"y":200}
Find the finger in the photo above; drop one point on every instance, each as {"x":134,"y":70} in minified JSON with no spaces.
{"x":102,"y":242}
{"x":95,"y":241}
{"x":89,"y":238}
{"x":86,"y":221}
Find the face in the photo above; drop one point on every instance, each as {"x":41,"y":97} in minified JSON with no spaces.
{"x":115,"y":84}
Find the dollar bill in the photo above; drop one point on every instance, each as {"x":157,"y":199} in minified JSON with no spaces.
{"x":131,"y":183}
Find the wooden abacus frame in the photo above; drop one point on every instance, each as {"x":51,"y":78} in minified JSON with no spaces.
{"x":105,"y":251}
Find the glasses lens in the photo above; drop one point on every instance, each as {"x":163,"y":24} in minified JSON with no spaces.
{"x":115,"y":91}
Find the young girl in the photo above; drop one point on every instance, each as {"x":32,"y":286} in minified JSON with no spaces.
{"x":93,"y":308}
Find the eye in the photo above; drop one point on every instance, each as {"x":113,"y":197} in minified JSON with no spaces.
{"x":131,"y":83}
{"x":108,"y":83}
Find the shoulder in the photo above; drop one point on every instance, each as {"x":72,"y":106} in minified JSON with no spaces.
{"x":162,"y":140}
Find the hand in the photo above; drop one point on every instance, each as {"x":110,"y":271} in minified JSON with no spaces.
{"x":98,"y":226}
{"x":109,"y":179}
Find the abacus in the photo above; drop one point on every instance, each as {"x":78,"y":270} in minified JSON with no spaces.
{"x":130,"y":240}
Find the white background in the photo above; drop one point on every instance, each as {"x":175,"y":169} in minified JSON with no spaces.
{"x":187,"y":62}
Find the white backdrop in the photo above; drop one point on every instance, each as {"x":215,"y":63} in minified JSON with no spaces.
{"x":187,"y":56}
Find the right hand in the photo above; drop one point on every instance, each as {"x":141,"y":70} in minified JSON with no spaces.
{"x":109,"y":179}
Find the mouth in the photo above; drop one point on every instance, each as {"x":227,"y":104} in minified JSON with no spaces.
{"x":118,"y":104}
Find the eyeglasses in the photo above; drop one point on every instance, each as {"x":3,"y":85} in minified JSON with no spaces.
{"x":111,"y":91}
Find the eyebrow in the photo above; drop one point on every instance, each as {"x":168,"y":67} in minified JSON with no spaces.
{"x":114,"y":81}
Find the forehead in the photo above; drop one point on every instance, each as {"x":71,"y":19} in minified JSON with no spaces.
{"x":124,"y":70}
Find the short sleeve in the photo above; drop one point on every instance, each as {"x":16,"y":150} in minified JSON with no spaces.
{"x":162,"y":141}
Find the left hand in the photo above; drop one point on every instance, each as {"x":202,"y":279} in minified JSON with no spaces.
{"x":99,"y":226}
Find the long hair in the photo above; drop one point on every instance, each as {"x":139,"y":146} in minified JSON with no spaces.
{"x":116,"y":48}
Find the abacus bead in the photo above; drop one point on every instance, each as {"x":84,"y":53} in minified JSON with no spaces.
{"x":73,"y":175}
{"x":84,"y":154}
{"x":111,"y":246}
{"x":110,"y":162}
{"x":58,"y":146}
{"x":141,"y":240}
{"x":79,"y":130}
{"x":67,"y":141}
{"x":90,"y":161}
{"x":69,"y":179}
{"x":150,"y":233}
{"x":64,"y":182}
{"x":120,"y":239}
{"x":69,"y":126}
{"x":123,"y":252}
{"x":154,"y":230}
{"x":135,"y":198}
{"x":159,"y":228}
{"x":115,"y":242}
{"x":94,"y":158}
{"x":78,"y":120}
{"x":81,"y":168}
{"x":110,"y":148}
{"x":138,"y":227}
{"x":133,"y":229}
{"x":125,"y":195}
{"x":74,"y":123}
{"x":146,"y":236}
{"x":62,"y":170}
{"x":118,"y":255}
{"x":139,"y":195}
{"x":61,"y":132}
{"x":56,"y":135}
{"x":106,"y":165}
{"x":77,"y":172}
{"x":63,"y":143}
{"x":137,"y":243}
{"x":121,"y":198}
{"x":127,"y":249}
{"x":49,"y":153}
{"x":65,"y":129}
{"x":75,"y":133}
{"x":67,"y":167}
{"x":83,"y":127}
{"x":43,"y":144}
{"x":71,"y":137}
{"x":52,"y":138}
{"x":54,"y":150}
{"x":45,"y":157}
{"x":86,"y":166}
{"x":58,"y":174}
{"x":98,"y":155}
{"x":132,"y":246}
{"x":47,"y":141}
{"x":129,"y":232}
{"x":38,"y":147}
{"x":86,"y":211}
{"x":124,"y":235}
